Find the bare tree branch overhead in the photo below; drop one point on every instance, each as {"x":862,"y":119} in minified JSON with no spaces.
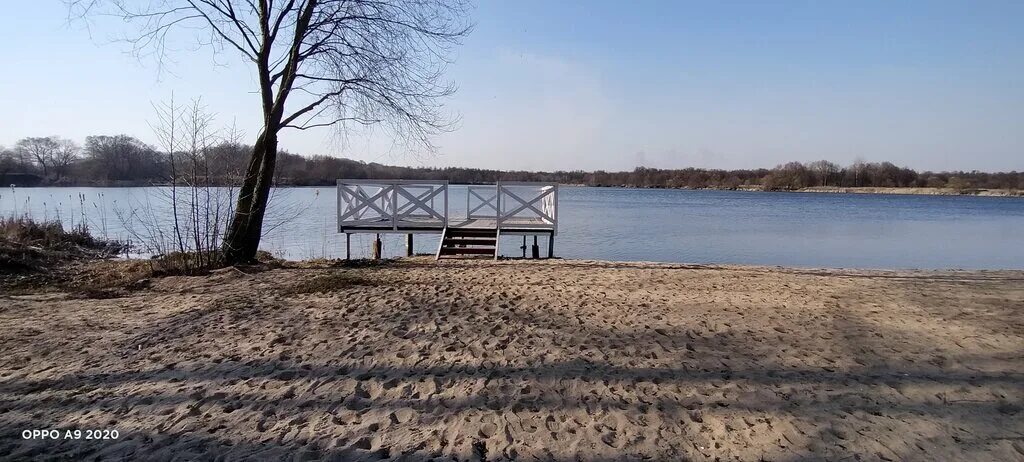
{"x":318,"y":62}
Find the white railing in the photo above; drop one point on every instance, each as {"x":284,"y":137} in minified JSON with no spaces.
{"x":527,"y":205}
{"x":397,"y":205}
{"x":481,"y":201}
{"x":392,"y":204}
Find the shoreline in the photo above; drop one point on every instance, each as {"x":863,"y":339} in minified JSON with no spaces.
{"x":548,"y":359}
{"x":906,"y":191}
{"x":916,"y":191}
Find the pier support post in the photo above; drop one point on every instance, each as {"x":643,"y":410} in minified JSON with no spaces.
{"x":408,"y":245}
{"x":348,"y":246}
{"x":535,"y":251}
{"x":524,"y":246}
{"x":377,"y":247}
{"x":551,"y":245}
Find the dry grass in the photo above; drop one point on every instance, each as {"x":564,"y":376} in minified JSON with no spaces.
{"x":202,"y":263}
{"x":44,"y":256}
{"x":34,"y":253}
{"x":48,"y":234}
{"x":37,"y":255}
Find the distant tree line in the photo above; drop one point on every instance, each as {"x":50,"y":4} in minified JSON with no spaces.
{"x":122,"y":160}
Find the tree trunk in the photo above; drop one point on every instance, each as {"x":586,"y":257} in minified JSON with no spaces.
{"x":243,"y":234}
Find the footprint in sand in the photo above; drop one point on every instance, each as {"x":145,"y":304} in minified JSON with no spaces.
{"x":613,"y":439}
{"x":402,"y":415}
{"x":551,"y":424}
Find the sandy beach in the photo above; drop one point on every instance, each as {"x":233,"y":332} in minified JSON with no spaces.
{"x":513,"y":360}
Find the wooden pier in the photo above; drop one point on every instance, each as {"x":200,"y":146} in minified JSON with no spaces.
{"x":422,"y":207}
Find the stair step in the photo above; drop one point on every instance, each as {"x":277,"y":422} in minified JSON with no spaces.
{"x":477,"y":241}
{"x":462,"y":241}
{"x":467,"y":251}
{"x":466,"y":232}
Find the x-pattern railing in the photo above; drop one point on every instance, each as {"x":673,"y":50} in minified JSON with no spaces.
{"x":530,"y":205}
{"x":392,"y":203}
{"x":419,"y":202}
{"x":488,"y":201}
{"x":405,"y":204}
{"x":360,"y":199}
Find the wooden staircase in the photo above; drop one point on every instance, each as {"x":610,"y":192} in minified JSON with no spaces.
{"x":468,"y":241}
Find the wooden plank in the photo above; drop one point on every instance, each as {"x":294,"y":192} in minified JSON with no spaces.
{"x":487,"y":242}
{"x":465,"y":232}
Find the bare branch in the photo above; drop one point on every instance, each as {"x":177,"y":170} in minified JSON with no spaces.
{"x":364,"y":62}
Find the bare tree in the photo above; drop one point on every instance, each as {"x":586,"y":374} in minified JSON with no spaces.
{"x":122,"y":158}
{"x":824,"y":170}
{"x":66,"y":154}
{"x":858,"y":170}
{"x":8,"y":161}
{"x":187,"y":239}
{"x":329,"y":61}
{"x":40,"y":149}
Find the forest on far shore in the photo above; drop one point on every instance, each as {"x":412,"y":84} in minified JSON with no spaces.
{"x":122,"y":160}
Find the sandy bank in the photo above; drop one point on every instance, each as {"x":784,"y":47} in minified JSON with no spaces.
{"x":559,"y":360}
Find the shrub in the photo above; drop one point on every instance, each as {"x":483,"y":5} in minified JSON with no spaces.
{"x":51,"y":235}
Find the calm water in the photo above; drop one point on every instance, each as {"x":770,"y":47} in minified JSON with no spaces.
{"x":810,"y":230}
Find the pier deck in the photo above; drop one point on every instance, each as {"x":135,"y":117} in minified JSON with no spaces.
{"x":512,"y":226}
{"x":422,"y":207}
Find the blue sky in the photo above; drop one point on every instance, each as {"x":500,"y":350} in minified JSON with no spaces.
{"x":607,"y":85}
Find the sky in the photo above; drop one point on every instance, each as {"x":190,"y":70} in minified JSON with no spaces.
{"x":588,"y":85}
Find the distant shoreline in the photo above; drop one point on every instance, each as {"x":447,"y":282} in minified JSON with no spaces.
{"x":907,"y":191}
{"x":917,"y":191}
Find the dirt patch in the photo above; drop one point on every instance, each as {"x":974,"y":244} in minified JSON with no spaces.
{"x":332,"y":282}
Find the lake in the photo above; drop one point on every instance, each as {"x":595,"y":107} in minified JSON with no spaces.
{"x":729,"y":227}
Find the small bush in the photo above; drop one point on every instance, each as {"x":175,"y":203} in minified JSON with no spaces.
{"x":198,"y":263}
{"x":49,"y":235}
{"x":27,"y":245}
{"x":41,"y":255}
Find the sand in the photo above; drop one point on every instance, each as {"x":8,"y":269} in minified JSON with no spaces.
{"x":551,"y":360}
